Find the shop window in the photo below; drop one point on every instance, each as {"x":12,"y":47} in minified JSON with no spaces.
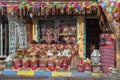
{"x":57,"y":31}
{"x":4,"y":35}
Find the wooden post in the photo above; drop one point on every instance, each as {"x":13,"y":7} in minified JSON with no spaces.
{"x":1,"y":41}
{"x":34,"y":29}
{"x":118,"y":48}
{"x":80,"y":35}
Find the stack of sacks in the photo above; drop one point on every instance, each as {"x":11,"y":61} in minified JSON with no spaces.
{"x":107,"y":52}
{"x":49,"y":64}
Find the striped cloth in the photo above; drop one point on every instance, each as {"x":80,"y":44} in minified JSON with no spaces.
{"x":107,"y":53}
{"x":107,"y":57}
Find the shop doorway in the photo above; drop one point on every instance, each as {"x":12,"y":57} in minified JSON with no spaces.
{"x":92,"y":35}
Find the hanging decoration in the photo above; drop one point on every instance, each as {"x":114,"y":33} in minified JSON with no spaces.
{"x":111,"y":7}
{"x":56,"y":8}
{"x":50,"y":8}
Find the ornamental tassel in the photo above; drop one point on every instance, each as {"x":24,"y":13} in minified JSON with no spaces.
{"x":53,"y":10}
{"x":39,"y":11}
{"x":42,"y":11}
{"x":47,"y":11}
{"x":62,"y":10}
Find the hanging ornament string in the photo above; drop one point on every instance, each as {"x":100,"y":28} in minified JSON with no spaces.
{"x":54,"y":6}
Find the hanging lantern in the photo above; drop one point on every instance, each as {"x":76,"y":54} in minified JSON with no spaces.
{"x":95,"y":57}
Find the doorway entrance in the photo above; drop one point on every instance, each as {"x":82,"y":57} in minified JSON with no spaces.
{"x":92,"y":35}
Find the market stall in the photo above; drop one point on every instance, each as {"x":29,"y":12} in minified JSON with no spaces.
{"x":49,"y":38}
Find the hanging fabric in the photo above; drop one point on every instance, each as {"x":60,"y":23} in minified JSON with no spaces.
{"x":12,"y":38}
{"x":22,"y":35}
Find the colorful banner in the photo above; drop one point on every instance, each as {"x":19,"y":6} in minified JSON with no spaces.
{"x":56,"y":7}
{"x":71,"y":4}
{"x":46,"y":8}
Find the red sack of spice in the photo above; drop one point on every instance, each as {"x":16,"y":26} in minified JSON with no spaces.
{"x":65,"y":64}
{"x":25,"y":63}
{"x":87,"y":65}
{"x":59,"y":63}
{"x":17,"y":63}
{"x":51,"y":65}
{"x":81,"y":66}
{"x":34,"y":64}
{"x":42,"y":64}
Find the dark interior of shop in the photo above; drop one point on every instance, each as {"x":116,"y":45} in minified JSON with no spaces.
{"x":92,"y":35}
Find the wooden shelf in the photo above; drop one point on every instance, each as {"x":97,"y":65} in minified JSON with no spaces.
{"x":96,"y":64}
{"x":65,"y":34}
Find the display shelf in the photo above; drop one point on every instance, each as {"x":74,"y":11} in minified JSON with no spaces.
{"x":66,"y":34}
{"x":96,"y":64}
